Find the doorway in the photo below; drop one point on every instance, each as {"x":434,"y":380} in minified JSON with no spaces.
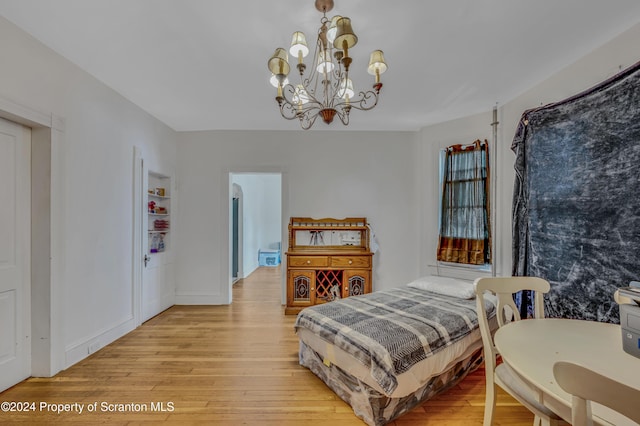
{"x":255,"y":220}
{"x":46,"y":352}
{"x":15,"y":253}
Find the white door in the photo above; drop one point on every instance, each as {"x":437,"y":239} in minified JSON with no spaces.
{"x":158,"y":291}
{"x":15,"y":253}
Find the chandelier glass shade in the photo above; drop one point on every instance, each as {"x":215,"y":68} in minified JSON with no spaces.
{"x":326,"y":90}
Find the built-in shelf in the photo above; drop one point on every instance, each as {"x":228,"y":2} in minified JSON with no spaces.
{"x":158,"y":197}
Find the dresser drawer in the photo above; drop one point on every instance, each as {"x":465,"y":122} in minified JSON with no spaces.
{"x":311,"y":261}
{"x":351,"y":261}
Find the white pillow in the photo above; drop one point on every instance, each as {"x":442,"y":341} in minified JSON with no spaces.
{"x":447,"y":286}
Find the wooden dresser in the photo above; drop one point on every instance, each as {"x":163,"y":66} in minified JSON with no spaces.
{"x":327,"y":259}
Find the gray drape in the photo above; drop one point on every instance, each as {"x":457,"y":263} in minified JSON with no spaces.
{"x":576,"y":201}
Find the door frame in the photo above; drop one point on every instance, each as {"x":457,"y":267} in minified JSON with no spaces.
{"x":227,"y":214}
{"x":138,"y":248}
{"x":15,"y":294}
{"x":48,"y":229}
{"x":237,"y":223}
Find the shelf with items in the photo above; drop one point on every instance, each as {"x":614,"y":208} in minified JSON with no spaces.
{"x":160,"y":197}
{"x":308,"y":234}
{"x":156,"y":208}
{"x":158,"y":211}
{"x":157,"y":243}
{"x":160,"y":225}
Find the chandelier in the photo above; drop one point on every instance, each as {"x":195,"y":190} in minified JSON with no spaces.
{"x":327,"y":91}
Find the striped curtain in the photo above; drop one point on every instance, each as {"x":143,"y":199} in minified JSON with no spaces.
{"x":465,"y":234}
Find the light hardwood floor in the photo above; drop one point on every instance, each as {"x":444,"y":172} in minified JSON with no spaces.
{"x":223,"y":365}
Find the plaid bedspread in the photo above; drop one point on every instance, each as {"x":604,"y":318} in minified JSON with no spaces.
{"x":391,"y":330}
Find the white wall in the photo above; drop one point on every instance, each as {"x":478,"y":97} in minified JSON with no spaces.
{"x":92,"y":165}
{"x":608,"y":60}
{"x":261,"y":215}
{"x":325,"y":174}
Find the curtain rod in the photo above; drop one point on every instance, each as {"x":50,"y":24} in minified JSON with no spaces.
{"x":493,"y":196}
{"x":463,"y":147}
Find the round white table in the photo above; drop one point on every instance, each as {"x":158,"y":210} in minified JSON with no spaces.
{"x":531,"y":347}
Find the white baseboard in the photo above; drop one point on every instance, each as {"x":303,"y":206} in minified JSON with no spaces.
{"x":200,"y":299}
{"x":78,"y":351}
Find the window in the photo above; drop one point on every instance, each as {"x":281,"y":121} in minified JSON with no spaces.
{"x":465,"y":232}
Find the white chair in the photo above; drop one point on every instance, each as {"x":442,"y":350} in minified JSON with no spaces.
{"x":621,"y":300}
{"x":502,"y":375}
{"x":585,"y":386}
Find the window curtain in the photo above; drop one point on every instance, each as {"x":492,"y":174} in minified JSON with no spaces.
{"x":465,"y":235}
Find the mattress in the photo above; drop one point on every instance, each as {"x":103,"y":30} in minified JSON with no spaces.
{"x":373,"y":407}
{"x":395,"y":340}
{"x":408,"y":381}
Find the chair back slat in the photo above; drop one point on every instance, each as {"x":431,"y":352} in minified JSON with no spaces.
{"x":586,"y":385}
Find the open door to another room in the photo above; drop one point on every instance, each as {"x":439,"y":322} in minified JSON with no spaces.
{"x":255,"y":220}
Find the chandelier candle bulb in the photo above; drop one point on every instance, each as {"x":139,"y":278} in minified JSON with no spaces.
{"x":344,"y":34}
{"x":274,"y":81}
{"x":326,"y":91}
{"x":325,"y":65}
{"x":377,"y":65}
{"x":346,"y":89}
{"x":299,"y":47}
{"x":279,"y":65}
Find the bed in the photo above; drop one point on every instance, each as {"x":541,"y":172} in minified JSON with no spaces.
{"x":386,"y":352}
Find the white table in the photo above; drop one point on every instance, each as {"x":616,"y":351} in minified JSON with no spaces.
{"x":532,"y":346}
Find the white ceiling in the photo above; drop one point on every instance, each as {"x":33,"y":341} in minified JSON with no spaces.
{"x":202,"y":64}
